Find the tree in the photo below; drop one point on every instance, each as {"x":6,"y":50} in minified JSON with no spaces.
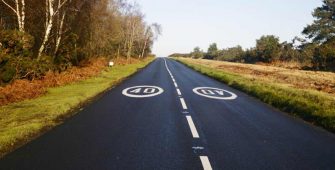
{"x":324,"y":56}
{"x":233,"y":54}
{"x":323,"y":28}
{"x":250,"y":56}
{"x":306,"y":53}
{"x":288,"y":52}
{"x":110,"y":28}
{"x":60,"y":26}
{"x":151,"y":34}
{"x":212,"y":51}
{"x":268,"y":48}
{"x":322,"y":33}
{"x":133,"y":22}
{"x":52,"y":8}
{"x":197,"y":53}
{"x":19,"y":10}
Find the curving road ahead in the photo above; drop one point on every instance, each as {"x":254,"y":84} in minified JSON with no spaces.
{"x":168,"y":116}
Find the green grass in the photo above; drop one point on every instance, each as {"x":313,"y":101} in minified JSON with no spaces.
{"x":23,"y":121}
{"x":315,"y":107}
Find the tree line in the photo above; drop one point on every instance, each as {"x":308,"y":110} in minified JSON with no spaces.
{"x":315,"y":51}
{"x":38,"y":36}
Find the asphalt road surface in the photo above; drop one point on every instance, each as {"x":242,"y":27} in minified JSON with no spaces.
{"x":168,"y":116}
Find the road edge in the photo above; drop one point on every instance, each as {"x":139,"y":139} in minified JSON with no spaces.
{"x":67,"y":114}
{"x":324,"y":123}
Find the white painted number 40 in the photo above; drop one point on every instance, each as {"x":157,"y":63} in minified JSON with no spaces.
{"x":142,"y":91}
{"x":145,"y":91}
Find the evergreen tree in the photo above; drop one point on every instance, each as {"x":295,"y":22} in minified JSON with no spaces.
{"x":323,"y":28}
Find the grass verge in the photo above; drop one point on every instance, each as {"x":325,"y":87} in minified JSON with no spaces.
{"x":23,"y":121}
{"x":315,"y":107}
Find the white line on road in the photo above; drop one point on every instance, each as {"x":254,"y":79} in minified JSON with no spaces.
{"x":182,"y":101}
{"x":192,"y":127}
{"x":205,"y":163}
{"x":178,"y":92}
{"x":204,"y":159}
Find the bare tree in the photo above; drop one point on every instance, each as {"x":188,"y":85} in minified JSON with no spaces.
{"x":152,"y":32}
{"x":52,"y":8}
{"x":147,"y":35}
{"x":19,"y":10}
{"x":134,"y":21}
{"x":133,"y":25}
{"x":60,"y":25}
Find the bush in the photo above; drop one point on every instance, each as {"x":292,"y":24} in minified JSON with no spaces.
{"x":32,"y":68}
{"x":23,"y":68}
{"x":68,"y":54}
{"x":16,"y":43}
{"x":324,"y":56}
{"x":7,"y":74}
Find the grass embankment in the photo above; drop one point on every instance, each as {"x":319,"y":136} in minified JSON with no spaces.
{"x":21,"y":122}
{"x":312,"y":105}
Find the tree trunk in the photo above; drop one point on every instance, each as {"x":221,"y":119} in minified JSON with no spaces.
{"x":49,"y":24}
{"x":45,"y":39}
{"x":131,"y":40}
{"x":19,"y":10}
{"x":144,"y":47}
{"x":118,"y":52}
{"x":59,"y":34}
{"x":23,"y":15}
{"x":49,"y":13}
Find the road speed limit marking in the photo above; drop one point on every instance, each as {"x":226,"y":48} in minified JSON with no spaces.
{"x":214,"y":93}
{"x":142,"y":91}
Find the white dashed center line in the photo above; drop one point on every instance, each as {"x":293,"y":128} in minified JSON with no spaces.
{"x":204,"y":159}
{"x":192,"y":127}
{"x":205,"y":163}
{"x":182,"y":101}
{"x":178,"y":92}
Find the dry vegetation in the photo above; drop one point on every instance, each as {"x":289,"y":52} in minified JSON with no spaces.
{"x":305,"y":94}
{"x":24,"y":89}
{"x":316,"y":80}
{"x":20,"y":122}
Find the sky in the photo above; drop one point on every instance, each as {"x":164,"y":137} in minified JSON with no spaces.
{"x":190,"y":23}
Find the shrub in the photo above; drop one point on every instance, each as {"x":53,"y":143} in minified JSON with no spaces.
{"x":7,"y":74}
{"x":324,"y":56}
{"x":32,"y":68}
{"x":23,"y":68}
{"x":68,"y":54}
{"x":16,"y":43}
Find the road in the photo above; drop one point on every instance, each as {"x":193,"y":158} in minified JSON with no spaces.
{"x":168,"y":124}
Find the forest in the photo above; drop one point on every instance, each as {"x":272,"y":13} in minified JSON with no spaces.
{"x":37,"y":37}
{"x":315,"y":51}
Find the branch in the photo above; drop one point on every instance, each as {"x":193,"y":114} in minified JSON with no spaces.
{"x":9,"y":6}
{"x":60,"y":6}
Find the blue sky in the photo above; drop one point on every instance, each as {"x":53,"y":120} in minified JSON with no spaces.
{"x":190,"y":23}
